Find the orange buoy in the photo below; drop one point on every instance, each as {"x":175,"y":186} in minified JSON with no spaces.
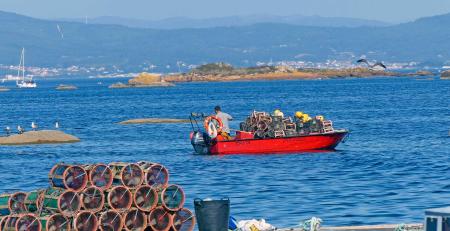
{"x":216,"y":120}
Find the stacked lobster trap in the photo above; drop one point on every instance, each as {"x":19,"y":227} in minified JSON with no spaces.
{"x":265,"y":125}
{"x":113,"y":197}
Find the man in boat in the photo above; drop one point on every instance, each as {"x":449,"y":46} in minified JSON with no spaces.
{"x":225,"y":117}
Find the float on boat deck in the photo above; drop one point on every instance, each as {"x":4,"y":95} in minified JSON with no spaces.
{"x":263,"y":133}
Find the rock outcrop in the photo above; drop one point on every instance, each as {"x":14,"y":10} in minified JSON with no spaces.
{"x":423,"y":73}
{"x":119,"y":85}
{"x":285,"y":74}
{"x":445,"y":74}
{"x":144,"y":80}
{"x":38,"y":137}
{"x":63,"y":87}
{"x":216,"y":72}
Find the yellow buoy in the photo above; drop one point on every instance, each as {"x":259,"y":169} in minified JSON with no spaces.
{"x":299,"y":114}
{"x":278,"y":113}
{"x":306,"y":118}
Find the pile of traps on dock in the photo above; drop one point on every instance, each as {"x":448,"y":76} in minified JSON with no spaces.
{"x":117,"y":196}
{"x":265,"y":125}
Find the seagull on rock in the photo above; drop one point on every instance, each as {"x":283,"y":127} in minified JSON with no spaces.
{"x":20,"y":129}
{"x":8,"y":130}
{"x":34,"y":126}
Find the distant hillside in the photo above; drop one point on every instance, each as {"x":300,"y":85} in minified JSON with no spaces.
{"x":426,"y":40}
{"x":183,"y":23}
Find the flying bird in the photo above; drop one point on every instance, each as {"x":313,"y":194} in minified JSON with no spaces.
{"x":363,"y":61}
{"x":379,"y":64}
{"x":60,"y":31}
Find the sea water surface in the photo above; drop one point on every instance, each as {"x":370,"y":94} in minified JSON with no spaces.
{"x":395,"y":164}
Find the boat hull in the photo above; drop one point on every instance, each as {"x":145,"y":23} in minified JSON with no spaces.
{"x":26,"y":85}
{"x":295,"y":144}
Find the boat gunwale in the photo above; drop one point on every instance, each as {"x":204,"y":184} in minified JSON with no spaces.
{"x":335,"y":132}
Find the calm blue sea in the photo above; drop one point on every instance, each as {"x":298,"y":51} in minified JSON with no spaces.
{"x":395,"y":164}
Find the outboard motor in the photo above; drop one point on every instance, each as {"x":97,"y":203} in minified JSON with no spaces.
{"x":200,"y":141}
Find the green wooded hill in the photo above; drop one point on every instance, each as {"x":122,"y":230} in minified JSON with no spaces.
{"x":426,"y":40}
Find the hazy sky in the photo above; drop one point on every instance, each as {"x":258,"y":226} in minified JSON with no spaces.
{"x":386,"y":10}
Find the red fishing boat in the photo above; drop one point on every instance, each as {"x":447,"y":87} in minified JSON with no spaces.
{"x":208,"y":141}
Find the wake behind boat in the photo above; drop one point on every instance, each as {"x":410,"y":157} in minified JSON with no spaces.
{"x":21,"y":81}
{"x":263,"y":133}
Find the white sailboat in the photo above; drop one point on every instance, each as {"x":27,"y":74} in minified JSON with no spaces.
{"x":24,"y":83}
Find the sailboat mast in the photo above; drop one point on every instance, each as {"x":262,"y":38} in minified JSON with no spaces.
{"x":19,"y":69}
{"x":23,"y":64}
{"x":22,"y":83}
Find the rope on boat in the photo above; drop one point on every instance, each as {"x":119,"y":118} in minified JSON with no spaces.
{"x":400,"y":227}
{"x":312,"y":224}
{"x":404,"y":227}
